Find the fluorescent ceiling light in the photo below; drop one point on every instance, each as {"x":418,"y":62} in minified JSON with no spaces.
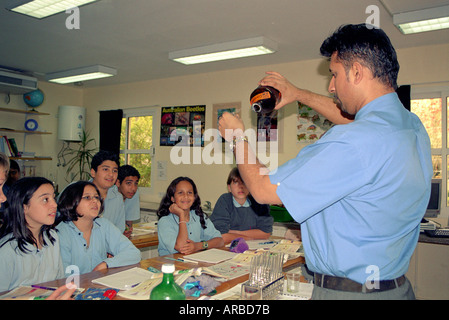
{"x":422,"y":20}
{"x":81,"y":74}
{"x":44,"y":8}
{"x":224,"y":51}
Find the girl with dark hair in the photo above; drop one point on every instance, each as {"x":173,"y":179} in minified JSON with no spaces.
{"x":87,"y":239}
{"x":183,"y":226}
{"x":29,"y":246}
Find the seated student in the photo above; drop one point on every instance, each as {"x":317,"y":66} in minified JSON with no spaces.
{"x":4,"y":167}
{"x":128,"y":185}
{"x":29,"y":245}
{"x":14,"y":172}
{"x":182,"y":225}
{"x":104,"y":171}
{"x":86,"y":239}
{"x":13,"y":176}
{"x":237,"y":215}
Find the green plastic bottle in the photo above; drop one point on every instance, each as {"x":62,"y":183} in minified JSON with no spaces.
{"x":168,"y":289}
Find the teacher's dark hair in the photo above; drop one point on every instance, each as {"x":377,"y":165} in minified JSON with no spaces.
{"x":367,"y":45}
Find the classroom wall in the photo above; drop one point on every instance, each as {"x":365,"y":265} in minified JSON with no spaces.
{"x":419,"y":65}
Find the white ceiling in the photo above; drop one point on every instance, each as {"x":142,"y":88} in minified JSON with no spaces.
{"x":135,"y":36}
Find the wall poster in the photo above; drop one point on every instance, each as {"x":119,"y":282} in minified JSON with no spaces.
{"x":183,"y":126}
{"x":310,"y":125}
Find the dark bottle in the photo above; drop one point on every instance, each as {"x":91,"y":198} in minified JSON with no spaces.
{"x":264,"y":99}
{"x":168,"y":289}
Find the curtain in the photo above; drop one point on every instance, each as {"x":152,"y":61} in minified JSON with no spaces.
{"x":110,"y":129}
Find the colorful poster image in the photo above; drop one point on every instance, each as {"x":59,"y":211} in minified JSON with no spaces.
{"x":310,"y":125}
{"x":183,"y":126}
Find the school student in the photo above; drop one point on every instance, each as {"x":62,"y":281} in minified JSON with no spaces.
{"x":127,"y":184}
{"x":104,"y":171}
{"x":237,"y":215}
{"x":29,"y":245}
{"x":87,"y":239}
{"x":183,"y":226}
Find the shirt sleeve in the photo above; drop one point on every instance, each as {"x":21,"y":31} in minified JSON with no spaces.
{"x":123,"y":250}
{"x":210,"y":232}
{"x":6,"y":266}
{"x":265,"y":220}
{"x":167,"y":231}
{"x":132,"y":208}
{"x":320,"y":175}
{"x":221,"y":215}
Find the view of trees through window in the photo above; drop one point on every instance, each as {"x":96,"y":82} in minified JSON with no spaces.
{"x":135,"y":144}
{"x":430,"y":111}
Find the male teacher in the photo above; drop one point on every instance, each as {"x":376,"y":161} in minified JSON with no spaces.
{"x":361,"y":190}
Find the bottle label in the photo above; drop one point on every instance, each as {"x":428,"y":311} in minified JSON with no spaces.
{"x":260,"y":96}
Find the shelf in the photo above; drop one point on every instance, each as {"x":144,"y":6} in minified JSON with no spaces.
{"x":24,"y":131}
{"x":30,"y":159}
{"x":24,"y":111}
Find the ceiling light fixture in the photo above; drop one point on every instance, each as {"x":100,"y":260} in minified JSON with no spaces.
{"x":224,"y":51}
{"x":422,"y":20}
{"x":44,"y":8}
{"x":80,"y":74}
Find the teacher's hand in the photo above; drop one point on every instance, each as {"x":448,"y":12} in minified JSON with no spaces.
{"x":230,"y":126}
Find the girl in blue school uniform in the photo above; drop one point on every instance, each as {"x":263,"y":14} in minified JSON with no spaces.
{"x":183,"y":226}
{"x":86,"y":239}
{"x":29,"y":246}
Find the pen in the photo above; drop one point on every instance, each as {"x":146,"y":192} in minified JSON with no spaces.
{"x":268,"y":242}
{"x":41,"y":287}
{"x":181,"y":260}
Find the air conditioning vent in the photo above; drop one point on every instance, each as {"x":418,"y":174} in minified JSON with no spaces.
{"x":15,"y":83}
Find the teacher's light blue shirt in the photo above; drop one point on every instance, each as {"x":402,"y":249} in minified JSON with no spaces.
{"x":105,"y":238}
{"x":360,"y":192}
{"x":168,"y":229}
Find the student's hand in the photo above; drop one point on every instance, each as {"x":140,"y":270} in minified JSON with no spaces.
{"x":286,"y":88}
{"x":101,"y":266}
{"x":188,"y":248}
{"x":175,"y":209}
{"x":62,"y":293}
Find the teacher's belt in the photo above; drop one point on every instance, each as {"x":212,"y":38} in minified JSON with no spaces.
{"x":345,"y":284}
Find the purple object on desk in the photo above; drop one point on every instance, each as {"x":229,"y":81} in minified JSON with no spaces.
{"x":239,"y":245}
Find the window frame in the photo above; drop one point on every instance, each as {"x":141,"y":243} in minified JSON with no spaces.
{"x":139,"y":112}
{"x":442,"y":92}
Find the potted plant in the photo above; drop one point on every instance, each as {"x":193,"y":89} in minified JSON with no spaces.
{"x":78,"y":167}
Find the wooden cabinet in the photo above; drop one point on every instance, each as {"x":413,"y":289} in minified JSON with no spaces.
{"x":429,"y":271}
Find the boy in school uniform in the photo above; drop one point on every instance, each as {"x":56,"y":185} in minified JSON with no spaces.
{"x":104,"y":172}
{"x":128,"y":186}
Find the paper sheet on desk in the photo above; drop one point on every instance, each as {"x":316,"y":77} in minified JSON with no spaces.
{"x":125,"y":280}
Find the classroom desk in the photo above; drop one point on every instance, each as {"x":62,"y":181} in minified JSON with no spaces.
{"x":85,"y":280}
{"x":146,"y":240}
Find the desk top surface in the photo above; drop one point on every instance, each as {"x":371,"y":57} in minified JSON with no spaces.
{"x":85,"y":280}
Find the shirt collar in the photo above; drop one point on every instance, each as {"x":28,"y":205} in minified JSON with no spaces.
{"x":238,"y":205}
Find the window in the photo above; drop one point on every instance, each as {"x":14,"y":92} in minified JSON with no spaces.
{"x":136,"y":142}
{"x":431,"y":106}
